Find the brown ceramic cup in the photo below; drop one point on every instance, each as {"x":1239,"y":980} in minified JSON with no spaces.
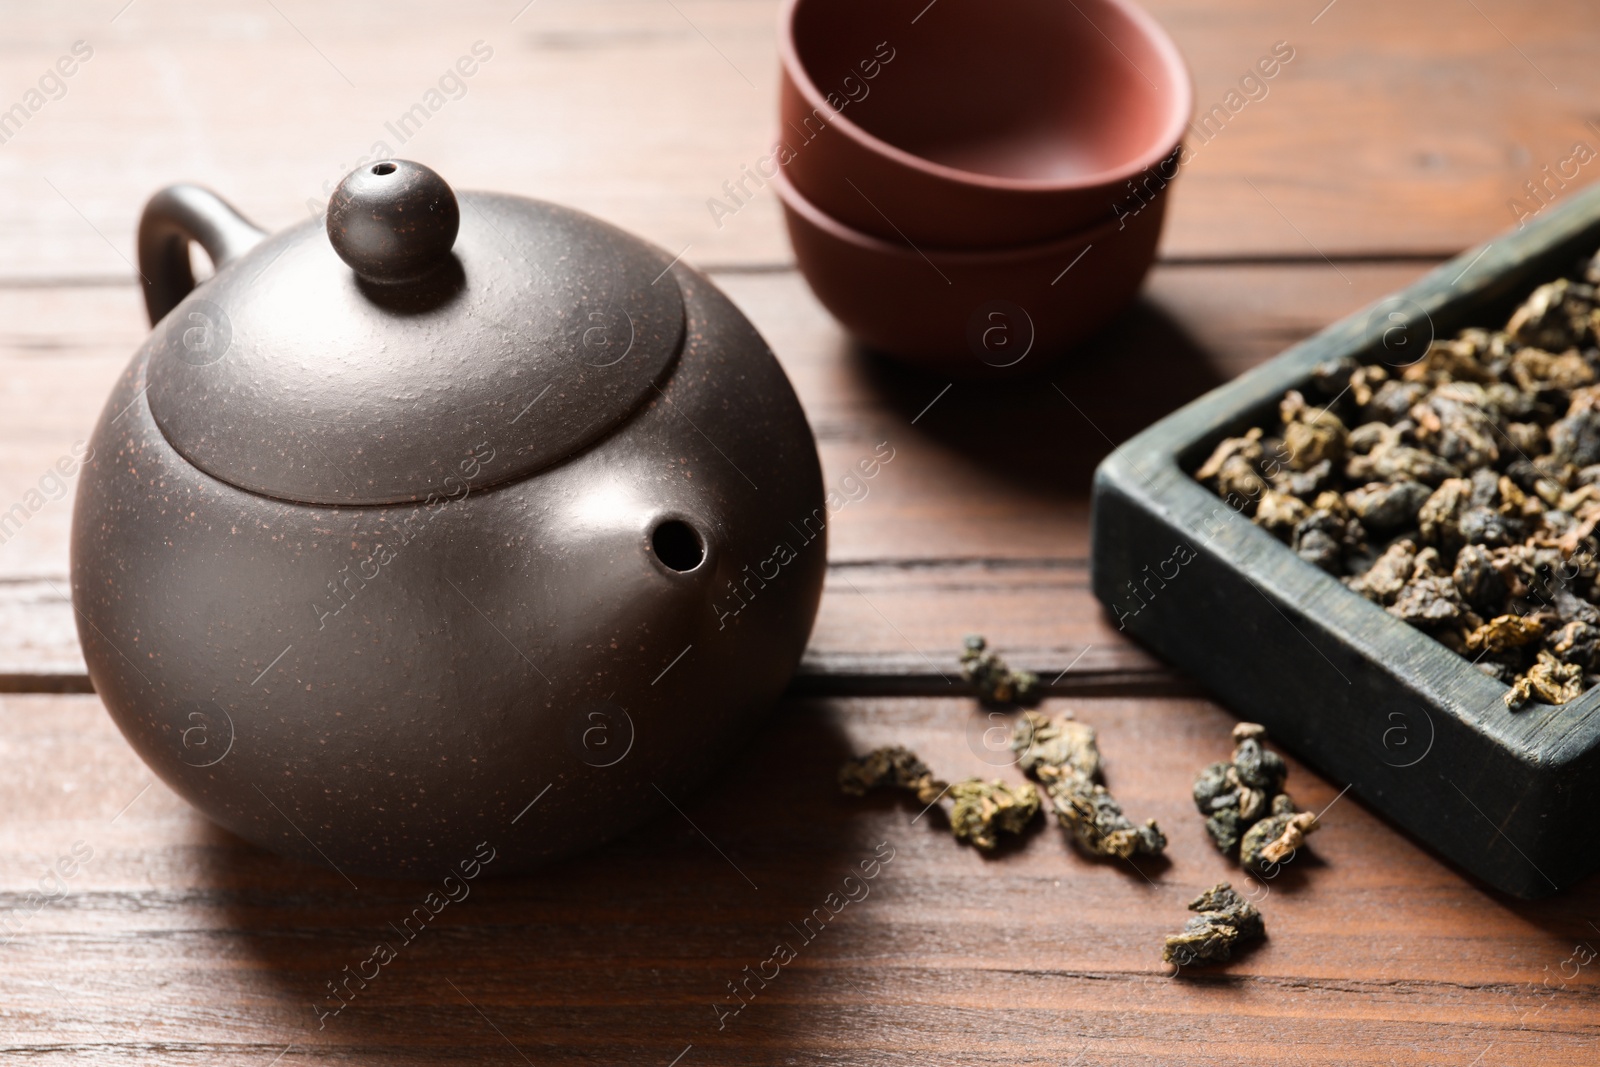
{"x":996,"y":313}
{"x":971,"y":124}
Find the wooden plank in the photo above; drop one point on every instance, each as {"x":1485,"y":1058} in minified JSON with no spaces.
{"x":1366,"y":143}
{"x":177,"y":944}
{"x":897,"y":628}
{"x":1399,"y":132}
{"x":1393,"y":128}
{"x":889,"y":628}
{"x":987,"y":493}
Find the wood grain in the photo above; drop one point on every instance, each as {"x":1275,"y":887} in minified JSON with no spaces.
{"x":1396,"y":135}
{"x":179,"y":944}
{"x":1397,"y":128}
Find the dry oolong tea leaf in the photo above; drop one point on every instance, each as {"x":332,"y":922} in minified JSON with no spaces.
{"x":1063,"y":757}
{"x":979,"y":811}
{"x":983,"y":810}
{"x":1277,"y":837}
{"x":1053,"y":744}
{"x":1245,"y":806}
{"x":1224,"y":920}
{"x":995,"y":682}
{"x":898,"y":767}
{"x":1234,"y":796}
{"x":1461,"y":493}
{"x":1549,"y":681}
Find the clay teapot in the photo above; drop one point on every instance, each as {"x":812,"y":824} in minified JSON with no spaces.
{"x":458,"y":520}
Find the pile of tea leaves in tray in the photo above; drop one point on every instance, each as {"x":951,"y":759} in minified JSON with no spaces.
{"x":1460,"y":491}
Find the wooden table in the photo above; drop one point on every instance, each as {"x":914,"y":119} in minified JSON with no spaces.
{"x":1395,"y":137}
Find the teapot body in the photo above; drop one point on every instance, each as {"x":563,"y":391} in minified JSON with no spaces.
{"x":537,"y":663}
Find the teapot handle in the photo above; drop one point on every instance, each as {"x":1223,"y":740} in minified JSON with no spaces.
{"x":174,"y":217}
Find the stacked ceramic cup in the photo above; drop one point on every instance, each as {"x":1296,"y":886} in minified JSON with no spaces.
{"x":975,"y":186}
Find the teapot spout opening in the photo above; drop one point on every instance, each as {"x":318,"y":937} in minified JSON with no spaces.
{"x":678,"y":545}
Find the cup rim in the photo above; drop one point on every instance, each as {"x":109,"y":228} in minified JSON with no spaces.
{"x":796,"y":201}
{"x":1181,"y":97}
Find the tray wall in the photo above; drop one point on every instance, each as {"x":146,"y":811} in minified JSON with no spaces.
{"x":1419,"y":734}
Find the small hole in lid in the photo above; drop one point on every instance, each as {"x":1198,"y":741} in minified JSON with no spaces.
{"x":677,"y":545}
{"x":384,"y":168}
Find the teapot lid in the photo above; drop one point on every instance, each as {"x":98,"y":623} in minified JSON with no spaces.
{"x":376,"y":360}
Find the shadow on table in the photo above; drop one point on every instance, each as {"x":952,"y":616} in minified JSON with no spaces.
{"x":1571,"y":916}
{"x":627,"y":954}
{"x":1049,"y":430}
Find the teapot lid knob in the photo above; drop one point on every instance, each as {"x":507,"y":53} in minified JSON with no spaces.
{"x":393,"y":220}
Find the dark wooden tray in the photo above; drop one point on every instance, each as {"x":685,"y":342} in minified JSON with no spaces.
{"x":1420,"y":735}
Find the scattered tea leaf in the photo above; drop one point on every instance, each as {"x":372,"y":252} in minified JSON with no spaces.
{"x":1275,"y":838}
{"x":1062,"y":742}
{"x":1097,"y":821}
{"x":995,"y":682}
{"x":1224,"y":921}
{"x":896,"y":766}
{"x":978,"y":811}
{"x":1062,"y":755}
{"x":1234,"y":796}
{"x":981,"y":811}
